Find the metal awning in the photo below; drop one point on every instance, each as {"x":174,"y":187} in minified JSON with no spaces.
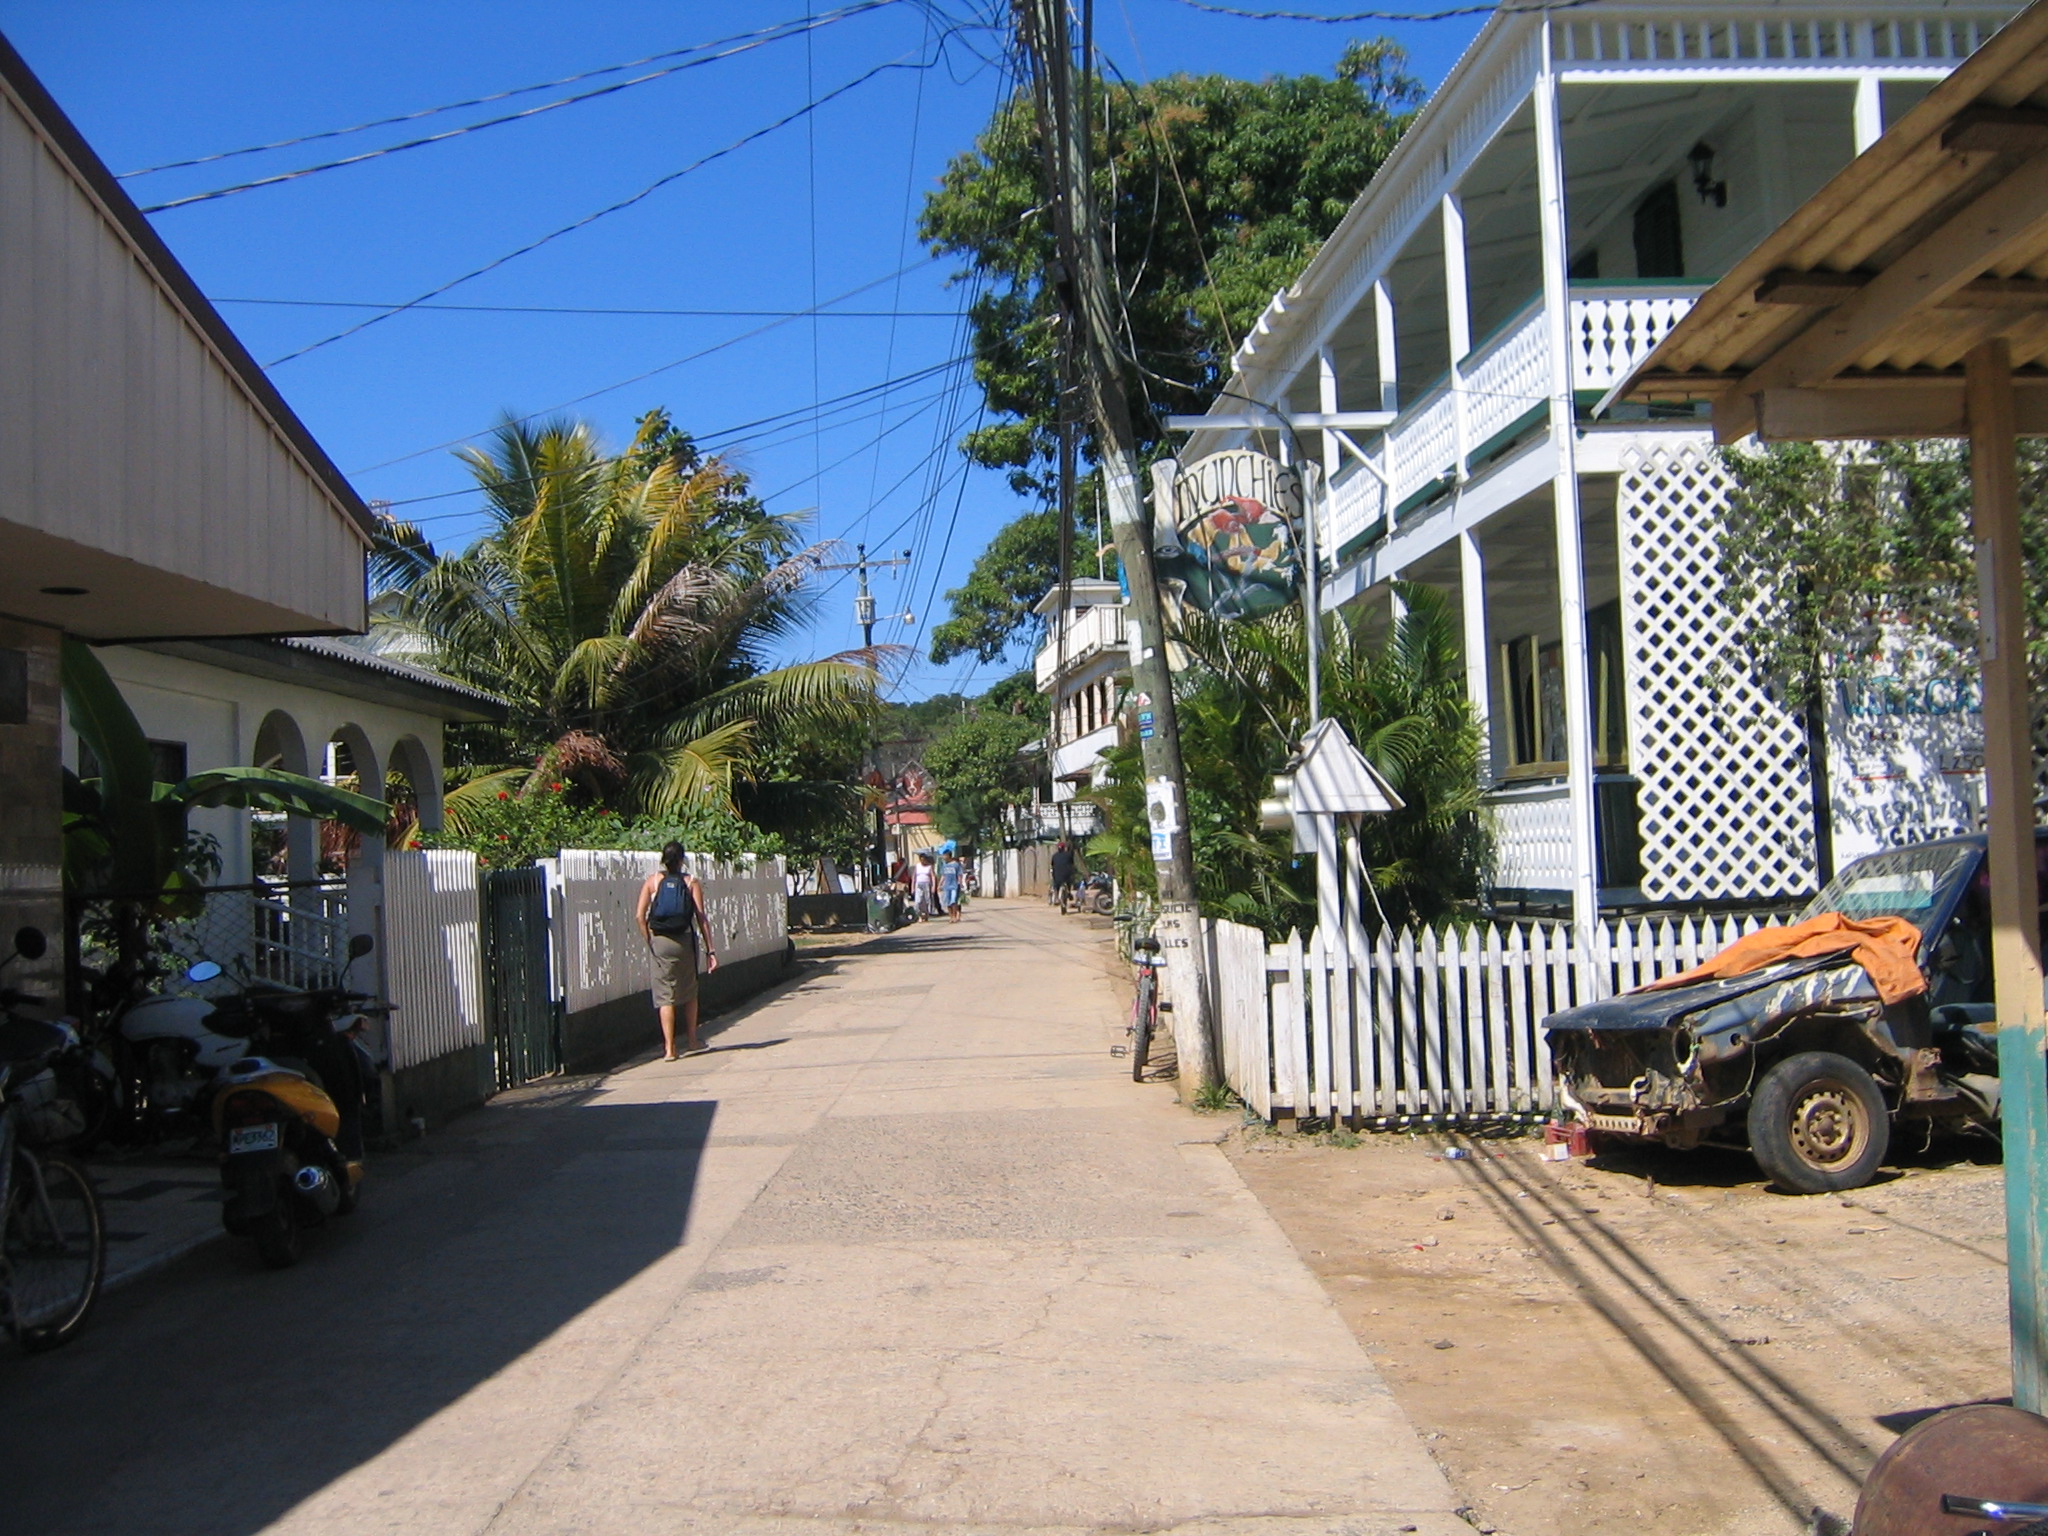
{"x":1853,"y":318}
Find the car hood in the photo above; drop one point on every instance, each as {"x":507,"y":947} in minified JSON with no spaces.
{"x":1661,"y":1008}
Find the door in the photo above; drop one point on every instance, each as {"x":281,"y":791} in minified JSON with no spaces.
{"x":525,"y":1034}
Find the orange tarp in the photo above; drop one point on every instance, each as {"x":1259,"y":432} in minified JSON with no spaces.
{"x":1883,"y":946}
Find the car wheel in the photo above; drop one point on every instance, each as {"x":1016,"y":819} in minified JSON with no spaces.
{"x":1818,"y":1123}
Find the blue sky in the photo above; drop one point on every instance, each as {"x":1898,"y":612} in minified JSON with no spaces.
{"x":817,"y":209}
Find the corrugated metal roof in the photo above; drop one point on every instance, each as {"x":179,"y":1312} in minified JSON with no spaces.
{"x":342,"y":650}
{"x":1933,"y":240}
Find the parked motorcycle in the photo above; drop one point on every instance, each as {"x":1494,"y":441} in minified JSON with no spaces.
{"x":1096,"y":894}
{"x":69,"y":1099}
{"x":289,"y":1109}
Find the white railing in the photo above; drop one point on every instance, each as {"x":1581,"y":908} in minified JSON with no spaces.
{"x":1614,"y":329}
{"x":1495,"y":386}
{"x":1088,"y":631}
{"x":1935,"y":36}
{"x":1532,"y":837}
{"x":1429,"y":1026}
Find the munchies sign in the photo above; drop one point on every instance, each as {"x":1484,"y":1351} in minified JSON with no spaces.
{"x":1229,"y":546}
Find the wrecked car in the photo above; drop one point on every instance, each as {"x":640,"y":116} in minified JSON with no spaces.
{"x":1802,"y":1061}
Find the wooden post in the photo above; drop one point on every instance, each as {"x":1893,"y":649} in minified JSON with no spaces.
{"x":1564,"y":492}
{"x":2015,"y":900}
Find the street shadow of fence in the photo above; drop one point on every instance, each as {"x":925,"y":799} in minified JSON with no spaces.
{"x":221,"y":1396}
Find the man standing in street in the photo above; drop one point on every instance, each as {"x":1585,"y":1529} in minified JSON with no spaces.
{"x":1063,"y":873}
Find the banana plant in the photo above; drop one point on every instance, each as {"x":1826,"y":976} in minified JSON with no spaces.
{"x":129,"y":834}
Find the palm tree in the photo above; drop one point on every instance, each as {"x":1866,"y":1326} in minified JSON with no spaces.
{"x":624,"y":606}
{"x":1402,"y":699}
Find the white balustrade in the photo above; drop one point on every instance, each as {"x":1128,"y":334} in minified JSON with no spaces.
{"x":1532,"y":838}
{"x":1088,"y":630}
{"x":1506,"y":378}
{"x":1614,"y":329}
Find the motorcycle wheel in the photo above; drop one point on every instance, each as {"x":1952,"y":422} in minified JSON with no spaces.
{"x":1102,"y":904}
{"x":282,"y":1240}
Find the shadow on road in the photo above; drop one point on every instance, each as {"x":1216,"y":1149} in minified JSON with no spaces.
{"x":215,"y":1400}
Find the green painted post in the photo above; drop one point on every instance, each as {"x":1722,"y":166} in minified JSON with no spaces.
{"x":2009,"y":827}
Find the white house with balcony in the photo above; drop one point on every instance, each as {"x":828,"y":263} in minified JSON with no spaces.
{"x":1082,"y":664}
{"x":1576,"y":182}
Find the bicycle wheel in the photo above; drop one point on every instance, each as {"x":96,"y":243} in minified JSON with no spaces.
{"x":55,"y":1251}
{"x":1144,"y":1019}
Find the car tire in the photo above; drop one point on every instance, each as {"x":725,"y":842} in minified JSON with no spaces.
{"x":1818,"y":1123}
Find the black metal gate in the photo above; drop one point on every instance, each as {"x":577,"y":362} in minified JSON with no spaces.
{"x":526,"y":1037}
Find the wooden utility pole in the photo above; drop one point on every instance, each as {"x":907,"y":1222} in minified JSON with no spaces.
{"x":1089,"y":303}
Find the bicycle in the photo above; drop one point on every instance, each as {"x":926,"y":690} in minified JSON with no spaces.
{"x":1147,"y":1007}
{"x":53,"y":1234}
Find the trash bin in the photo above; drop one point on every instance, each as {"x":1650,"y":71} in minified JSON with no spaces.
{"x":880,"y":917}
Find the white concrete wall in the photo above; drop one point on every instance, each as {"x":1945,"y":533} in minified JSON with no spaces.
{"x":217,"y":713}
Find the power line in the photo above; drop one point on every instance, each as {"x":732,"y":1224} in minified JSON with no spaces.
{"x":720,"y":437}
{"x":825,"y":313}
{"x":762,"y":35}
{"x":624,"y":203}
{"x":689,"y":357}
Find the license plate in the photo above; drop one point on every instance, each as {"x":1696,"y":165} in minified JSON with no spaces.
{"x":252,"y":1138}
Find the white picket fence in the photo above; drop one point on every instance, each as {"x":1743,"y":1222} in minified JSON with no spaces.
{"x":1436,"y":1026}
{"x":432,"y":952}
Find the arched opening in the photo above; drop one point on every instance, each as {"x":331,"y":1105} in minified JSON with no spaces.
{"x":412,"y":788}
{"x":351,"y":764}
{"x":281,"y":847}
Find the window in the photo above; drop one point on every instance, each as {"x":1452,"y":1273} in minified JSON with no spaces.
{"x":1660,"y":246}
{"x":166,"y":761}
{"x":1610,"y":700}
{"x":1533,"y":673}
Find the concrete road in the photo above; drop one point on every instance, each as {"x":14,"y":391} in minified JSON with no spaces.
{"x":907,"y":1252}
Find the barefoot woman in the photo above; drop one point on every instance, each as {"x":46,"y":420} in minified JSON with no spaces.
{"x":671,"y":916}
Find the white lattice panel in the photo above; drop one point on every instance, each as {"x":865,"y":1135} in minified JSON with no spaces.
{"x":1356,"y":501}
{"x":1423,"y":444}
{"x":1726,"y":807}
{"x":1510,"y":376}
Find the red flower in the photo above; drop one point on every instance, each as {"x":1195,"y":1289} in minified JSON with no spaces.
{"x":556,"y":788}
{"x":504,"y":794}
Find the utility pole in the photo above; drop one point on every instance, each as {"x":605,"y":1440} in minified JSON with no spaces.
{"x":1088,"y":303}
{"x":864,"y":616}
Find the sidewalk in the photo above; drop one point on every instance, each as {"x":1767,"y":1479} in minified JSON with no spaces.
{"x":945,"y":1267}
{"x":907,"y":1253}
{"x":158,"y":1208}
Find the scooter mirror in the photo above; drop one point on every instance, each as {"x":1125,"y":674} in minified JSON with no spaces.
{"x":205,"y":970}
{"x":360,"y":946}
{"x":30,"y":944}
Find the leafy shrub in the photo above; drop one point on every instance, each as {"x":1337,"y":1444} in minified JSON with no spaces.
{"x":514,"y":829}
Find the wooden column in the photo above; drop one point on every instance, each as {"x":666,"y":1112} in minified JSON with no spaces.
{"x":1564,"y":490}
{"x":1458,"y":320}
{"x":2015,"y":900}
{"x":1472,"y":605}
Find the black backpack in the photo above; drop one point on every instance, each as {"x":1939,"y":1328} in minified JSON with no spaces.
{"x":672,"y":913}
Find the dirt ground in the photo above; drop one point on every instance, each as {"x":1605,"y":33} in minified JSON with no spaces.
{"x":1648,"y":1340}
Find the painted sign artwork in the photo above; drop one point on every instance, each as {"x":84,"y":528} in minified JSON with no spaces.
{"x":1230,"y":548}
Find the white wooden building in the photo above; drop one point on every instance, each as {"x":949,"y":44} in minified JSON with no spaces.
{"x":1083,"y":665}
{"x":1578,"y":179}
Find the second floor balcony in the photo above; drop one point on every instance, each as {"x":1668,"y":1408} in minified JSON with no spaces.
{"x":1075,"y":637}
{"x":1494,"y":398}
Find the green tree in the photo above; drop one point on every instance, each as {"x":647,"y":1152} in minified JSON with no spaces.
{"x":980,"y":769}
{"x":1244,"y":704}
{"x":624,"y":606}
{"x":993,"y":610}
{"x":1214,"y":194}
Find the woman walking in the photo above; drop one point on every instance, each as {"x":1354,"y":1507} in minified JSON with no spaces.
{"x":671,"y":918}
{"x":950,"y":874}
{"x":921,"y":887}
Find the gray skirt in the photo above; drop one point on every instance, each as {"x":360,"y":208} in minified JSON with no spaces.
{"x":675,"y":970}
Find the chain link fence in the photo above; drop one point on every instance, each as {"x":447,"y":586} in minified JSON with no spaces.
{"x":293,"y":933}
